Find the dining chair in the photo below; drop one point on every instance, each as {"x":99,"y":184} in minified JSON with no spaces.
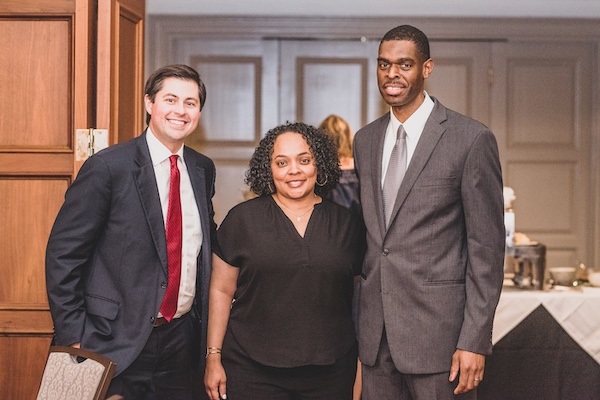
{"x":75,"y":374}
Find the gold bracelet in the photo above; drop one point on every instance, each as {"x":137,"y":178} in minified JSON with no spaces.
{"x":212,"y":350}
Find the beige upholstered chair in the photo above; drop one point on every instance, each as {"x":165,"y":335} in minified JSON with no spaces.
{"x":66,"y":378}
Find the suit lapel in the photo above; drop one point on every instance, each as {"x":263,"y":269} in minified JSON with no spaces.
{"x":145,"y":181}
{"x":197,"y":177}
{"x":377,"y":155}
{"x":432,"y":132}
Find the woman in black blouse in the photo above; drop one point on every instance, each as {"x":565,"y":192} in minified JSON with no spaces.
{"x":280,"y":309}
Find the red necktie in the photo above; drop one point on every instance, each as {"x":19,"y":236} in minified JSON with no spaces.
{"x":169,"y":304}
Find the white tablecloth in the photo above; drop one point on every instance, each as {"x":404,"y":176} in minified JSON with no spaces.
{"x":578,"y":312}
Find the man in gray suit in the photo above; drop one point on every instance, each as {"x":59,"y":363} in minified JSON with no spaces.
{"x":434,"y":266}
{"x":129,"y":257}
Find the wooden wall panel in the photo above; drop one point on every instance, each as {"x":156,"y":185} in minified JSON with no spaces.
{"x":130,"y":109}
{"x":23,"y":359}
{"x":33,"y":89}
{"x":32,"y":205}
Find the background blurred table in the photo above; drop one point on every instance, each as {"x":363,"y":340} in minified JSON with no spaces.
{"x":546,"y":346}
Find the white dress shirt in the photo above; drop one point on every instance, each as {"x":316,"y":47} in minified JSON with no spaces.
{"x":192,"y":232}
{"x":413,"y":127}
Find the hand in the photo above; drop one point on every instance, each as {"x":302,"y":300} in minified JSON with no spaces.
{"x":471,"y":366}
{"x":215,"y":378}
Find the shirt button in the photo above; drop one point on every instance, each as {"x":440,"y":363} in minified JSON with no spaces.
{"x":386,"y":252}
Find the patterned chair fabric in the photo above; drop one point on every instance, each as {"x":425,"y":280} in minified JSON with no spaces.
{"x":67,"y":378}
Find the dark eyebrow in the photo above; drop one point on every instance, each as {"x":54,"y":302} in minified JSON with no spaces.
{"x":400,"y":61}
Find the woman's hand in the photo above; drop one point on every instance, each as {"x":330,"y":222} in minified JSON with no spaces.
{"x":215,"y":378}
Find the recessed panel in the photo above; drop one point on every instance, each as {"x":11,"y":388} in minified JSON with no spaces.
{"x":450,"y":83}
{"x":331,"y":88}
{"x":561,"y":257}
{"x":230,"y":187}
{"x":545,"y":199}
{"x":30,"y":208}
{"x":541,"y":102}
{"x":129,"y":97}
{"x":36,"y":90}
{"x":231,"y":113}
{"x":26,"y":355}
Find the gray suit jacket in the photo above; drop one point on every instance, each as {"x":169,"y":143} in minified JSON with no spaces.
{"x":106,"y":260}
{"x":434,"y":277}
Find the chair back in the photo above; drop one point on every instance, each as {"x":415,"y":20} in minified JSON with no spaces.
{"x":75,"y":374}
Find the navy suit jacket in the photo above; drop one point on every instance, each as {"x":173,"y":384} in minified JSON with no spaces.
{"x":106,"y":259}
{"x":433,"y":278}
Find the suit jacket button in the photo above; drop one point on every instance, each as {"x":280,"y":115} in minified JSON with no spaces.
{"x":152,"y":319}
{"x":163,"y":285}
{"x":386,"y":252}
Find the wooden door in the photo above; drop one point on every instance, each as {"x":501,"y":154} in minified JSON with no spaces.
{"x":48,"y":73}
{"x":120,"y":68}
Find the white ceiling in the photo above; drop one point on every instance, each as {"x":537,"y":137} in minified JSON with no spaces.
{"x":378,"y":8}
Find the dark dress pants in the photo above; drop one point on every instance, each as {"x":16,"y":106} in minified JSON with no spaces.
{"x":163,"y":370}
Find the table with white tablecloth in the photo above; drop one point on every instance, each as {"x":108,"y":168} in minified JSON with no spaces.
{"x":546,"y":346}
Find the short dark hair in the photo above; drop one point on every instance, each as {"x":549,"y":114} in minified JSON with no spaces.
{"x":155,"y":82}
{"x":407,"y":32}
{"x":259,"y":176}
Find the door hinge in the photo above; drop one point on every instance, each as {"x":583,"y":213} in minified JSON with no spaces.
{"x":89,"y":141}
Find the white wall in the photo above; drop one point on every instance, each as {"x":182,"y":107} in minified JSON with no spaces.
{"x":443,"y":8}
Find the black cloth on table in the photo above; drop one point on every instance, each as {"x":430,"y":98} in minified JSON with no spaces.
{"x":293,"y":303}
{"x":538,"y":360}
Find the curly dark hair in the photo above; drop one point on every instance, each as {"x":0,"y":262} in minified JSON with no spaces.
{"x":259,"y":176}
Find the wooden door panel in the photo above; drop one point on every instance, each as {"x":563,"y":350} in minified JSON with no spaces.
{"x":32,"y":88}
{"x":32,"y":204}
{"x":48,"y":73}
{"x":120,"y":65}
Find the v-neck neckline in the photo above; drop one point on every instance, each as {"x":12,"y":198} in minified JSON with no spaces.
{"x":291,"y":223}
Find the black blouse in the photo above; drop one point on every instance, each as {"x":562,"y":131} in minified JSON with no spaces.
{"x":293,"y":303}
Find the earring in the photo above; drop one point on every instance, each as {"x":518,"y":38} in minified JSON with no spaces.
{"x":324,"y":183}
{"x":270,"y":187}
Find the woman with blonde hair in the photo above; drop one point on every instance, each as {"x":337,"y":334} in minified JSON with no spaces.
{"x":346,"y":192}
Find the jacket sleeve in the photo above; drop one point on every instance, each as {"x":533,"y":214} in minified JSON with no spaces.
{"x":71,"y":247}
{"x":481,"y":194}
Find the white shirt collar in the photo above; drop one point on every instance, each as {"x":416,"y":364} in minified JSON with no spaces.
{"x":416,"y":122}
{"x":158,"y":151}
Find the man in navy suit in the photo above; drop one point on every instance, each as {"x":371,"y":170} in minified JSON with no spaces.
{"x":433,"y":270}
{"x":107,"y":267}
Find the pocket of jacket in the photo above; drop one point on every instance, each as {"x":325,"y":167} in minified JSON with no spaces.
{"x":101,"y":307}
